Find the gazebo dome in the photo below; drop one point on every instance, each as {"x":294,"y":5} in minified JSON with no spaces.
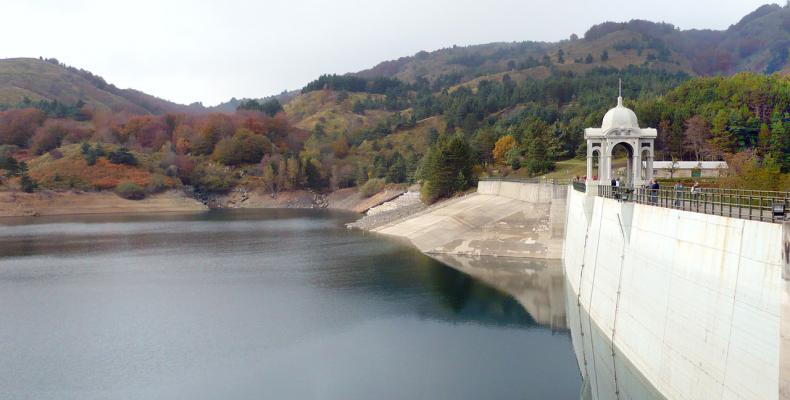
{"x":619,"y":117}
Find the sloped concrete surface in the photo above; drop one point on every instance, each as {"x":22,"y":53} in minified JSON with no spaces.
{"x":509,"y":219}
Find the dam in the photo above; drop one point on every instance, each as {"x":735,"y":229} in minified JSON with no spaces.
{"x":668,"y":293}
{"x":661,"y":302}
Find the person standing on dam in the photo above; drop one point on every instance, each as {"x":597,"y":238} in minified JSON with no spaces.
{"x":654,"y":191}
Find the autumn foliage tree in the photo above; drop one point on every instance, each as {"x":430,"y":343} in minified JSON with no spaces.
{"x":243,"y":147}
{"x":502,"y":148}
{"x":18,"y":125}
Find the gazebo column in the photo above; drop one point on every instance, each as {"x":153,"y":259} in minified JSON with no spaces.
{"x":606,"y":162}
{"x":636,"y":168}
{"x":629,"y":171}
{"x":649,"y":163}
{"x":650,"y":172}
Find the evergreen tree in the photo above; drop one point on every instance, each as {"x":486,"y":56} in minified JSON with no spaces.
{"x":397,"y":173}
{"x":780,"y":144}
{"x":447,"y":168}
{"x":27,"y":184}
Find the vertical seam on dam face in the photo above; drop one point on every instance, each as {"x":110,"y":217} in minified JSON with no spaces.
{"x":592,"y":291}
{"x":732,"y":312}
{"x":617,"y":305}
{"x":579,"y":301}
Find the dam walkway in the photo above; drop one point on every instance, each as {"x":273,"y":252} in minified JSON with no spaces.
{"x":757,"y":205}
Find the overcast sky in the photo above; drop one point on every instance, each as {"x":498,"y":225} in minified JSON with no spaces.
{"x":210,"y":51}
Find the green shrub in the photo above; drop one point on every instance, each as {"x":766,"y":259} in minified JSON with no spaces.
{"x":157,"y":184}
{"x":90,"y":157}
{"x":371,"y":187}
{"x":130,"y":190}
{"x":27,"y":184}
{"x":122,"y":156}
{"x":7,"y":150}
{"x":212,"y":177}
{"x":10,"y":165}
{"x":428,"y":194}
{"x":244,"y":147}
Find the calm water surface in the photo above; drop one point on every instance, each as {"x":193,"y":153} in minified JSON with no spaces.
{"x":283,"y":304}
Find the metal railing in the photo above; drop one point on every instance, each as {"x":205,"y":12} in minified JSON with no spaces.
{"x":757,"y":205}
{"x":526,"y":180}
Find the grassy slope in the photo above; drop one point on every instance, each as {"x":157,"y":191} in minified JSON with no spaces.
{"x":322,"y":107}
{"x":53,"y":82}
{"x":71,"y":171}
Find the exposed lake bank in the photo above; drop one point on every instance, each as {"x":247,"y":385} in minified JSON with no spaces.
{"x":20,"y":204}
{"x":50,"y":202}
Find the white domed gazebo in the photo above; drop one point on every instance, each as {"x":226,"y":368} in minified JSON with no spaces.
{"x":620,"y":127}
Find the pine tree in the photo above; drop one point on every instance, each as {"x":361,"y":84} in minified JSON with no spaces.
{"x":396,"y":173}
{"x":447,"y":168}
{"x":27,"y":184}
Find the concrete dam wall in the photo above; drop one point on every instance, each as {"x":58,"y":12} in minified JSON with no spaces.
{"x":661,"y":303}
{"x":692,"y":302}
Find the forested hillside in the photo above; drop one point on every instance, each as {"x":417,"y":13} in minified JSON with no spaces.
{"x":442,"y":118}
{"x":759,"y":42}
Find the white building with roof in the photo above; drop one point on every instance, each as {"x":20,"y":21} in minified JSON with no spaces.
{"x":689,"y":169}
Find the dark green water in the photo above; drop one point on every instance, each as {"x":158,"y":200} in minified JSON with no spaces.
{"x":283,"y":304}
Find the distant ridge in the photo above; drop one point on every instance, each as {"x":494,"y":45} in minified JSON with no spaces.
{"x":47,"y":79}
{"x":759,"y":42}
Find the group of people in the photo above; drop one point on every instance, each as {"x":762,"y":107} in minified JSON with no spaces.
{"x":653,"y":190}
{"x":678,"y":190}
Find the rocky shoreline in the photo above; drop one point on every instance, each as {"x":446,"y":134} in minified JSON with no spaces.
{"x":401,"y":207}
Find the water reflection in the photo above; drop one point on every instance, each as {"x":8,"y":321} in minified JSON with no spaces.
{"x":606,"y":373}
{"x":537,"y":284}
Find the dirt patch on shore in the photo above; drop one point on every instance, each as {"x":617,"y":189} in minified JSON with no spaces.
{"x":47,"y":202}
{"x":342,"y":199}
{"x":244,"y":198}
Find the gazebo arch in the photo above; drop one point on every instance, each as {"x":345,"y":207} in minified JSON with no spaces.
{"x":630,"y":172}
{"x":620,"y":126}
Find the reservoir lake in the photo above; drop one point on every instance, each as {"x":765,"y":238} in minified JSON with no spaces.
{"x":257,"y":304}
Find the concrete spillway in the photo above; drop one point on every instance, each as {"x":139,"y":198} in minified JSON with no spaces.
{"x":661,"y":303}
